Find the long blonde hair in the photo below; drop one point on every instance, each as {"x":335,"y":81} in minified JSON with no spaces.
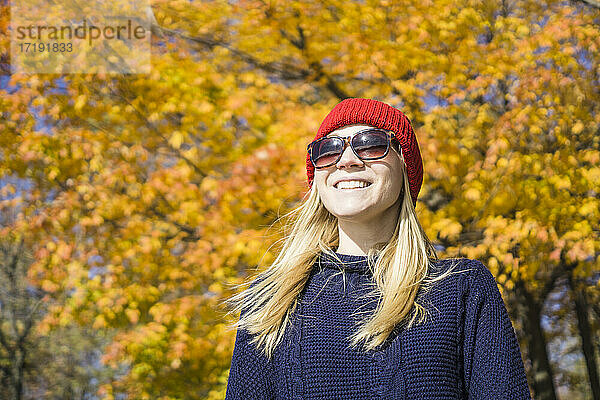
{"x":401,"y":268}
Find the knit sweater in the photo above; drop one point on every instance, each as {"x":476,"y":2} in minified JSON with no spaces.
{"x":467,"y":348}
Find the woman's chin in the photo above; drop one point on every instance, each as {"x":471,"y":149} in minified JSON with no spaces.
{"x":350,"y":213}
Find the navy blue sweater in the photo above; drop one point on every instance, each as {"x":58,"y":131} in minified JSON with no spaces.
{"x":467,"y":349}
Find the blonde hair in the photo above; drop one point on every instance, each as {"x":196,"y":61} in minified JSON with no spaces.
{"x":401,"y":268}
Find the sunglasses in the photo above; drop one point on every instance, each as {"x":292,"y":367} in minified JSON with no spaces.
{"x":368,"y":144}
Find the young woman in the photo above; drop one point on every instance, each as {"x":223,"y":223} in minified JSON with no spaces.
{"x":357,"y":304}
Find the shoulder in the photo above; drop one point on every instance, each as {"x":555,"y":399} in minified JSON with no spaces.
{"x":465,"y":266}
{"x":471,"y":275}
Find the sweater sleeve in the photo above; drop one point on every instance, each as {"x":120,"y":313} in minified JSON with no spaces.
{"x":250,"y":376}
{"x":493,"y":367}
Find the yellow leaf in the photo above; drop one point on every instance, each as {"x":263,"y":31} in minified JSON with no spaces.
{"x":588,"y":208}
{"x":577,"y":128}
{"x":472,"y":194}
{"x":451,"y":229}
{"x":133,"y":315}
{"x":79,"y":102}
{"x":176,"y":139}
{"x":99,"y":322}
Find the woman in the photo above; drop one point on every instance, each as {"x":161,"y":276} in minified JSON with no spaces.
{"x":357,"y":305}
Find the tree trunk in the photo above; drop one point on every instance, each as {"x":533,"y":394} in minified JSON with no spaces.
{"x":585,"y":332}
{"x":543,"y":378}
{"x":16,"y":374}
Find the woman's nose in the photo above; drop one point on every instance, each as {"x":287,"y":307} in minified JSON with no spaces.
{"x":348,"y":158}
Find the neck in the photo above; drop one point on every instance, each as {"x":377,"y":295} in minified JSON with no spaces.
{"x":357,"y":237}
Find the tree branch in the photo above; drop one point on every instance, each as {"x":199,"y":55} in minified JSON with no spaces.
{"x":593,"y":3}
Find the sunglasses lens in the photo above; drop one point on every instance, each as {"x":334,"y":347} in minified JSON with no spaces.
{"x":368,"y":145}
{"x":326,"y":152}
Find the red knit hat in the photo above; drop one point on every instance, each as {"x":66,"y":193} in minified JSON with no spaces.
{"x":380,"y":115}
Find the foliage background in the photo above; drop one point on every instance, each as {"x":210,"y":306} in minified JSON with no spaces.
{"x":130,"y":204}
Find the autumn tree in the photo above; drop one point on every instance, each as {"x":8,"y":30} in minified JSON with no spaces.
{"x":18,"y":316}
{"x":36,"y":362}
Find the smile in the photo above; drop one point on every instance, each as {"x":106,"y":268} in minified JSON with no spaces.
{"x":352,"y":185}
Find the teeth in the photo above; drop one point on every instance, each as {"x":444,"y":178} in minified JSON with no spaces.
{"x":351,"y":184}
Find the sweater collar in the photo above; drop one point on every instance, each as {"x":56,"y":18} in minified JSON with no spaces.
{"x":355,"y":263}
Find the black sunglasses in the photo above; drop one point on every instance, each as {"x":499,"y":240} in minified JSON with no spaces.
{"x":368,"y":144}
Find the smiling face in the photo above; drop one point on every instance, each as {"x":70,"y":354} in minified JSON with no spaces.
{"x":373,"y":204}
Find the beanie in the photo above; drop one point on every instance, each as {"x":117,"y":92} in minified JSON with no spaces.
{"x":380,"y":115}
